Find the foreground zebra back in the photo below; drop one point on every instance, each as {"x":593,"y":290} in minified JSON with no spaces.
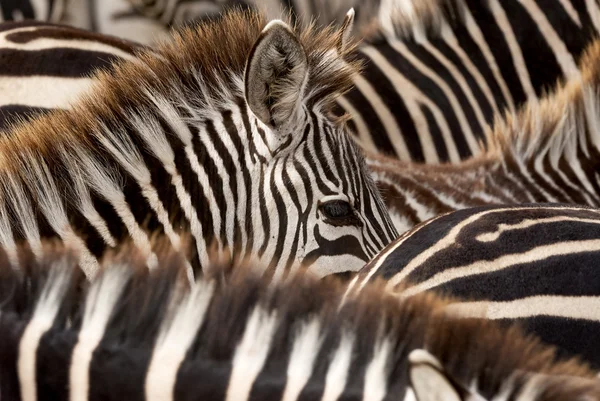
{"x":534,"y":264}
{"x":232,"y":336}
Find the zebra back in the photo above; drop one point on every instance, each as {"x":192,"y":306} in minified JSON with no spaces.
{"x":534,"y":264}
{"x":233,"y":335}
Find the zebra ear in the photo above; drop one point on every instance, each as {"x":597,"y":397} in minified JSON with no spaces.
{"x":276,"y":73}
{"x":430,"y":382}
{"x":346,"y":30}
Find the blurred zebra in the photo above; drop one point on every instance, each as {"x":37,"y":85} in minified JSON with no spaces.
{"x":237,"y":336}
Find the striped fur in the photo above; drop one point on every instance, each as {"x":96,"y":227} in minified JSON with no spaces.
{"x":532,"y":264}
{"x":45,"y":66}
{"x":547,"y":152}
{"x":235,"y":336}
{"x":169,"y":143}
{"x":439,"y":71}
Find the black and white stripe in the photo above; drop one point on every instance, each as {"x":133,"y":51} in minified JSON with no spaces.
{"x":136,"y":336}
{"x":439,"y":71}
{"x":533,"y":264}
{"x":45,"y":66}
{"x":204,"y":164}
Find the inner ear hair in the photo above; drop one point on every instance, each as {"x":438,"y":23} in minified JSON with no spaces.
{"x":276,"y":73}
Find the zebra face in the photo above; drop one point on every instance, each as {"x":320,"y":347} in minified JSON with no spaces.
{"x":327,"y":212}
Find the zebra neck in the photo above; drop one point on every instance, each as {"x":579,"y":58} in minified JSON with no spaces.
{"x":152,"y":167}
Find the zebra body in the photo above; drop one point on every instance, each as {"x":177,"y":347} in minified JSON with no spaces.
{"x":236,"y":336}
{"x":439,"y":71}
{"x":181,"y":140}
{"x":547,"y":152}
{"x":532,"y":264}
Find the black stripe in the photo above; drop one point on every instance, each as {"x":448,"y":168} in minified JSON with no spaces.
{"x":74,"y":63}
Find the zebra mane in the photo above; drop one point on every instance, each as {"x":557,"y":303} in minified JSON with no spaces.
{"x":564,"y":122}
{"x":234,"y":326}
{"x":200,"y":66}
{"x":409,"y":20}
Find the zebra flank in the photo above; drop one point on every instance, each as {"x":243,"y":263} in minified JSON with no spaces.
{"x":234,"y":335}
{"x":546,"y":152}
{"x":532,"y":264}
{"x":186,"y":139}
{"x":437,"y":72}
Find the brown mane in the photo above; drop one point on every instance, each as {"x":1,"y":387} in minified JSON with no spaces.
{"x":206,"y":61}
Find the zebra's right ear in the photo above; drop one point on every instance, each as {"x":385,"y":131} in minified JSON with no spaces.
{"x":276,"y":74}
{"x":430,"y":382}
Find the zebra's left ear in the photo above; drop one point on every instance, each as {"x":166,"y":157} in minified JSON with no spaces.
{"x":346,"y":31}
{"x":430,"y":382}
{"x":276,"y":74}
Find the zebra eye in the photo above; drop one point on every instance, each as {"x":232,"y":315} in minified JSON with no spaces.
{"x":339,"y":213}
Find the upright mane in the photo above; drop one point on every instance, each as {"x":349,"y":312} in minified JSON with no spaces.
{"x":564,"y":121}
{"x":405,"y":19}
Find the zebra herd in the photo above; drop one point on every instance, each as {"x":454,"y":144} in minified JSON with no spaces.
{"x":163,"y":222}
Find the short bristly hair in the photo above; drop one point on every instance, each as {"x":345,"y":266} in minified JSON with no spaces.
{"x":132,"y":331}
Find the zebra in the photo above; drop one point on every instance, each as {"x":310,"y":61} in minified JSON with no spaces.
{"x":547,"y":152}
{"x":47,"y":66}
{"x":234,"y":335}
{"x":187,"y":139}
{"x":532,"y":264}
{"x":438,"y":72}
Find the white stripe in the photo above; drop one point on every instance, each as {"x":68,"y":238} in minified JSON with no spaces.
{"x":571,"y":307}
{"x":251,"y":353}
{"x":39,"y":91}
{"x":337,"y":373}
{"x":502,"y":228}
{"x":376,"y":373}
{"x":45,"y":43}
{"x":304,"y":353}
{"x":594,"y":13}
{"x":176,"y":336}
{"x":486,"y":266}
{"x":45,"y":312}
{"x":99,"y":306}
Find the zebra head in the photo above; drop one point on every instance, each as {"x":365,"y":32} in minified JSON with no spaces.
{"x":315,"y":188}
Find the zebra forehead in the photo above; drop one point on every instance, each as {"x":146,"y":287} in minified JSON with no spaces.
{"x":237,"y":305}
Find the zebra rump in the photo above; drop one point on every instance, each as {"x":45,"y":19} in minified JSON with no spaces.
{"x":138,"y":335}
{"x":533,"y":264}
